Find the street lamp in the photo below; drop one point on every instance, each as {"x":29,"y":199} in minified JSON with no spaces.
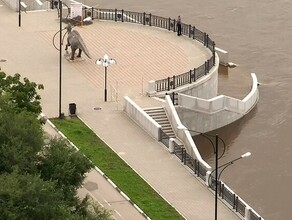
{"x":60,"y":61}
{"x":224,"y":166}
{"x":105,"y":61}
{"x":215,"y":149}
{"x":217,"y":178}
{"x":247,"y":154}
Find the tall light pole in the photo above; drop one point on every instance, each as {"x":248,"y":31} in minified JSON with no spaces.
{"x":19,"y":13}
{"x":217,"y":178}
{"x":105,"y":61}
{"x":60,"y":61}
{"x":216,"y":151}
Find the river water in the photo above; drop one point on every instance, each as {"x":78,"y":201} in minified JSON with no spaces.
{"x":257,"y":35}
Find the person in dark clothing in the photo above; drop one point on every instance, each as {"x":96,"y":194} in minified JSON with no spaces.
{"x":178,"y":24}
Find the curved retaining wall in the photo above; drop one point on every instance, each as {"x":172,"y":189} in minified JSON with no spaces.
{"x":209,"y":114}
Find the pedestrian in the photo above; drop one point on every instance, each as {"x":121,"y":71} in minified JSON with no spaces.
{"x":178,"y":25}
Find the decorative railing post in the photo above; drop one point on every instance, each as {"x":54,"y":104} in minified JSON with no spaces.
{"x":195,"y":75}
{"x":92,"y":13}
{"x":204,"y":39}
{"x":116,"y":14}
{"x":207,"y":40}
{"x":185,"y":155}
{"x":144,"y":18}
{"x":198,"y":171}
{"x":122,"y":15}
{"x":190,"y":30}
{"x":173,"y":82}
{"x":190,"y":76}
{"x":194,"y":31}
{"x":169,"y":23}
{"x":205,"y":67}
{"x":168,"y":83}
{"x":85,"y":12}
{"x":236,"y":203}
{"x":173,"y":25}
{"x":150,"y":19}
{"x":208,"y":66}
{"x":182,"y":154}
{"x":214,"y":53}
{"x":234,"y":200}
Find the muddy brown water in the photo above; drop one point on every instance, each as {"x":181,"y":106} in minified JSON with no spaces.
{"x":257,"y":35}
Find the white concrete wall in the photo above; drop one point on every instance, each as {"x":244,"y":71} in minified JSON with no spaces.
{"x":183,"y":134}
{"x":209,"y":114}
{"x":206,"y":87}
{"x":138,"y":115}
{"x":223,"y":56}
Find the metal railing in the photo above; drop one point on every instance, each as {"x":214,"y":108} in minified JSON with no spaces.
{"x":192,"y":163}
{"x":165,"y":23}
{"x":233,"y":199}
{"x":164,"y":138}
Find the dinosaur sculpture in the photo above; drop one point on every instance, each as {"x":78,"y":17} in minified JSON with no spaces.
{"x":75,"y":41}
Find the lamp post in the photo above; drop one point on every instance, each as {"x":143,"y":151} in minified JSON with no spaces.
{"x":224,"y":166}
{"x":105,"y":61}
{"x":216,"y":151}
{"x":19,"y":13}
{"x":60,"y":61}
{"x":217,"y":178}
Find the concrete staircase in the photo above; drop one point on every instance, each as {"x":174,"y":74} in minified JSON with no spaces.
{"x":159,"y":115}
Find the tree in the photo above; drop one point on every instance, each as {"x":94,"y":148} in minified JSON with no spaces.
{"x":61,"y":163}
{"x":26,"y":196}
{"x":21,"y":138}
{"x":38,"y":181}
{"x":23,"y":94}
{"x":30,"y":197}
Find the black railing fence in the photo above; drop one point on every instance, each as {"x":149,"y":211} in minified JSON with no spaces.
{"x":192,"y":163}
{"x":232,"y":199}
{"x":164,"y":138}
{"x":169,"y":24}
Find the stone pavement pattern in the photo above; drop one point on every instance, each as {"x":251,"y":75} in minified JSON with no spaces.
{"x":142,"y":54}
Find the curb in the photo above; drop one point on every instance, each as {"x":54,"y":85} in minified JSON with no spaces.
{"x":96,"y":168}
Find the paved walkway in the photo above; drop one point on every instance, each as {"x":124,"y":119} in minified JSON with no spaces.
{"x":103,"y":192}
{"x":142,"y":54}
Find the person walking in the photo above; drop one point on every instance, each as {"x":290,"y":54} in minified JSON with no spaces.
{"x":178,"y":25}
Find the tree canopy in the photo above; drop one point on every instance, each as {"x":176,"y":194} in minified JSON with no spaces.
{"x":22,"y":93}
{"x":39,"y":179}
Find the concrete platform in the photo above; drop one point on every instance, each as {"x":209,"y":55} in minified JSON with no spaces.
{"x":142,"y":54}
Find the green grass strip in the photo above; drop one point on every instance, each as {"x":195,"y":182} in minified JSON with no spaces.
{"x":116,"y":169}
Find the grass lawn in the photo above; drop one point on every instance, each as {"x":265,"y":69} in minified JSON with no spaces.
{"x":116,"y":169}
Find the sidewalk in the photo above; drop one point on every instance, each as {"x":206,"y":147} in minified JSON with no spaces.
{"x":101,"y":190}
{"x":142,"y":54}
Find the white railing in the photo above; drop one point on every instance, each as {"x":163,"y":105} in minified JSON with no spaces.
{"x":222,"y":102}
{"x":183,"y":135}
{"x":138,"y":115}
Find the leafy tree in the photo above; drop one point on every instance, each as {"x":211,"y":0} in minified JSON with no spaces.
{"x":37,"y":181}
{"x":30,"y":197}
{"x":60,"y":162}
{"x":22,"y":93}
{"x":21,"y":138}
